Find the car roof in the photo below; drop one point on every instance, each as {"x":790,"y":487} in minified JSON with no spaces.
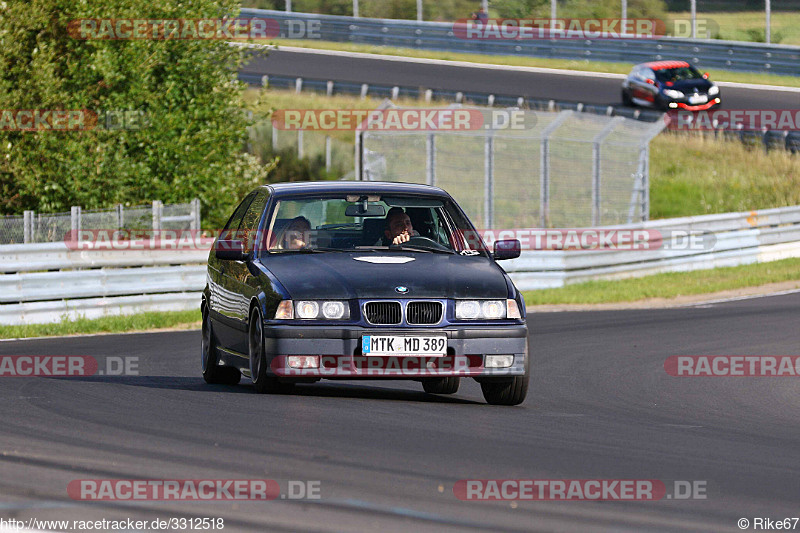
{"x":353,"y":187}
{"x":660,"y":65}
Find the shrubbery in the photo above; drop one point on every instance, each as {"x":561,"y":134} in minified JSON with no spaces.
{"x":193,"y":146}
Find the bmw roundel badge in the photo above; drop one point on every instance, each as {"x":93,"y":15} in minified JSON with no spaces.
{"x":401,"y":289}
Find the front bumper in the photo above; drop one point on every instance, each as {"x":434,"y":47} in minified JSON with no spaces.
{"x":339,"y":352}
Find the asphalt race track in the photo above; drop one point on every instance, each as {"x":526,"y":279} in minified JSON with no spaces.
{"x":387,"y":456}
{"x":565,"y":87}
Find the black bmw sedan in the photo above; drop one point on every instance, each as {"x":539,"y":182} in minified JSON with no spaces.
{"x":667,"y":85}
{"x":361,"y":280}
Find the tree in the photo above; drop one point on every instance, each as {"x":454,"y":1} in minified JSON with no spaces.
{"x":195,"y":131}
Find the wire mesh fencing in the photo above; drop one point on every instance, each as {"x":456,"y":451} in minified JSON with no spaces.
{"x":563,"y":169}
{"x":33,"y":227}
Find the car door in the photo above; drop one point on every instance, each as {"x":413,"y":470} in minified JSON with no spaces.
{"x":239,"y":276}
{"x":224,"y":300}
{"x":644,"y":85}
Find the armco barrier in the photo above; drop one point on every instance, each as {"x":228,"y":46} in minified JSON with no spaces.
{"x":739,"y":239}
{"x":710,"y":53}
{"x":41,"y":283}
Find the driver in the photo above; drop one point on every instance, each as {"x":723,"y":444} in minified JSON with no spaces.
{"x":398,"y":226}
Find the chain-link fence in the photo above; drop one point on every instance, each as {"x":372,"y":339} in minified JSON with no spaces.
{"x":34,"y":227}
{"x":564,"y":169}
{"x":266,"y":140}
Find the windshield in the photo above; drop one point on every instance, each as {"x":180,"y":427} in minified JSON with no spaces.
{"x":678,"y":74}
{"x":368,"y":222}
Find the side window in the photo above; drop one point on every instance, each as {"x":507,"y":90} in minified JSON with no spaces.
{"x":249,"y":226}
{"x":236,"y":218}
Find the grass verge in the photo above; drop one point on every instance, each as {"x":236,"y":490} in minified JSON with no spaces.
{"x":527,"y":61}
{"x":109,"y":324}
{"x":669,"y":285}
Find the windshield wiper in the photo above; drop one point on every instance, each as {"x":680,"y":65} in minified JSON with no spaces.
{"x":306,"y":251}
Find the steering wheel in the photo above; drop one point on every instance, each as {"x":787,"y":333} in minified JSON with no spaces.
{"x":424,"y":242}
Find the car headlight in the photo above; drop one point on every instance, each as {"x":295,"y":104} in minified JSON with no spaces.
{"x":486,"y":309}
{"x":672,"y":93}
{"x":312,"y":309}
{"x":713,"y":90}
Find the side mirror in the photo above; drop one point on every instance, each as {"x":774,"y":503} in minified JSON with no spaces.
{"x":650,"y":81}
{"x":230,"y":250}
{"x":705,"y":75}
{"x":507,"y":249}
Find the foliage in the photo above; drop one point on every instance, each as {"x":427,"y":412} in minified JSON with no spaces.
{"x":186,"y":89}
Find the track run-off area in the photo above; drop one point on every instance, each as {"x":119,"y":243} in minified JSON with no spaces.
{"x":385,"y":456}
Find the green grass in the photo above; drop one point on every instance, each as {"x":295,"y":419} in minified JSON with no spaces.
{"x":110,"y":324}
{"x":561,"y":64}
{"x":669,"y":285}
{"x":750,"y":25}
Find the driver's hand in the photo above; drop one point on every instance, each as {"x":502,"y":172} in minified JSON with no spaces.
{"x":403,"y":237}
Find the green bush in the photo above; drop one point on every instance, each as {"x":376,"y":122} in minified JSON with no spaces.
{"x":187,"y":89}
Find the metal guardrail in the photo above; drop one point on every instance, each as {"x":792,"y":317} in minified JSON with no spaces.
{"x":739,"y":239}
{"x":78,"y":288}
{"x":729,"y":55}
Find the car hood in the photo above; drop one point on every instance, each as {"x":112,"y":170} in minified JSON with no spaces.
{"x":339,"y":275}
{"x":688,"y":86}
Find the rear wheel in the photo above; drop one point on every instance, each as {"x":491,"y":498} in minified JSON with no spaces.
{"x":448,"y":385}
{"x":626,"y":98}
{"x":213,"y":373}
{"x":262,"y":382}
{"x":511,"y":391}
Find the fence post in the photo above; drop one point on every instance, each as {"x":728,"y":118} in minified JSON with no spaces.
{"x":27,"y":227}
{"x":75,"y":222}
{"x":327,"y":153}
{"x":194,"y":224}
{"x":430,"y":159}
{"x":358,"y":159}
{"x":488,"y":184}
{"x":157,"y":208}
{"x":596,"y":142}
{"x":120,"y":216}
{"x":274,"y":139}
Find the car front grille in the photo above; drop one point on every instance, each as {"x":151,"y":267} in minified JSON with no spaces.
{"x":383,"y":312}
{"x":424,"y":312}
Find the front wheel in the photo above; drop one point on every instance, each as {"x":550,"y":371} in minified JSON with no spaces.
{"x":448,"y":385}
{"x":213,"y":373}
{"x":511,"y":391}
{"x":262,"y":382}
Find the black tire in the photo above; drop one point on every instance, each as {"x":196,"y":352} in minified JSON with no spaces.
{"x":448,"y":385}
{"x":626,"y":98}
{"x":213,"y":373}
{"x":511,"y":391}
{"x":263,"y":383}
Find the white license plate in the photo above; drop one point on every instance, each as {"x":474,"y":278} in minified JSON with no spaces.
{"x":430,"y":345}
{"x":698,"y":99}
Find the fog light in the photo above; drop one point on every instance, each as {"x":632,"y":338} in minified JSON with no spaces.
{"x":498,"y":361}
{"x":673,"y":105}
{"x":302,"y":361}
